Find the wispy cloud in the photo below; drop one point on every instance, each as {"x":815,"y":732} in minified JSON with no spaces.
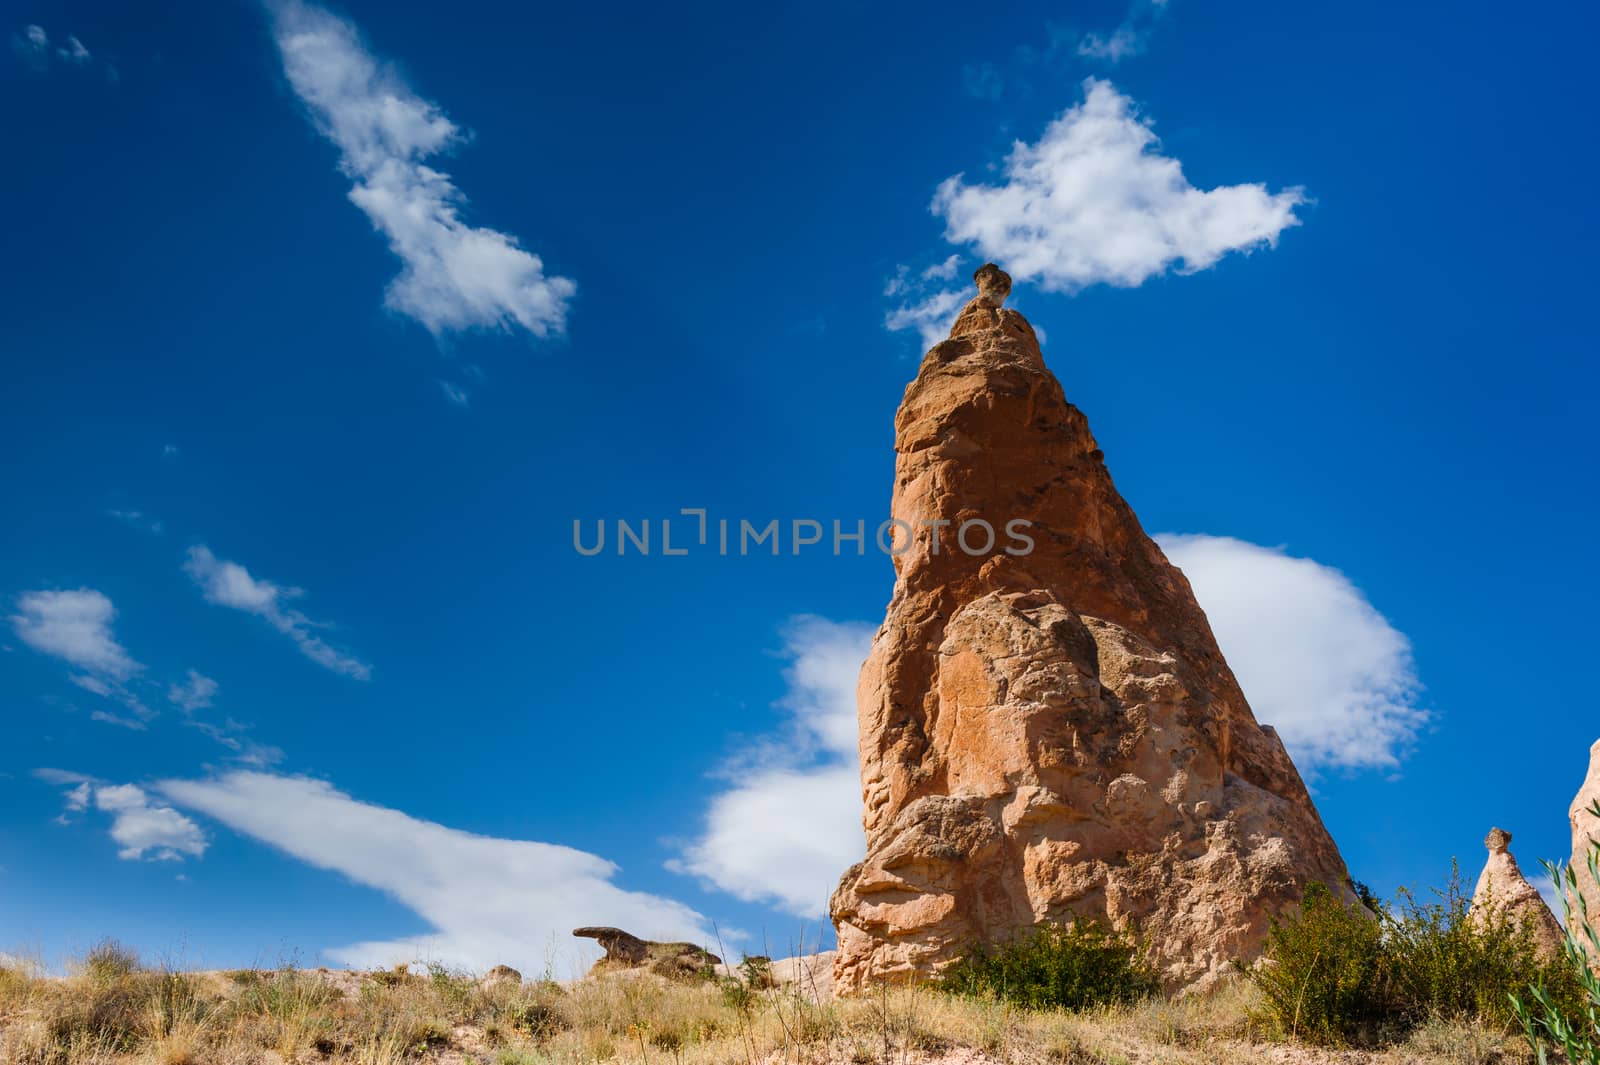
{"x":38,"y":52}
{"x":1316,"y":659}
{"x":141,"y":827}
{"x":983,"y":80}
{"x":1131,"y":36}
{"x":138,"y":519}
{"x":198,"y":692}
{"x":229,"y":584}
{"x":195,"y":692}
{"x":791,"y":822}
{"x":106,"y":717}
{"x":75,"y":626}
{"x":931,"y":314}
{"x":454,"y":276}
{"x":487,"y":900}
{"x":926,"y":304}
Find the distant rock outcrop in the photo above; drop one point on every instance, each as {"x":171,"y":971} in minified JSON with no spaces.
{"x":1585,"y":834}
{"x":502,"y":974}
{"x":1503,"y":889}
{"x":1048,"y":728}
{"x":624,"y":950}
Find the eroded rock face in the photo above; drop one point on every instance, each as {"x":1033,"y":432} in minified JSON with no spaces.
{"x":1051,"y":733}
{"x":624,"y":950}
{"x":1585,"y":834}
{"x":1503,"y":889}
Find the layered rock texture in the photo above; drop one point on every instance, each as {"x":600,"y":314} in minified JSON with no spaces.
{"x":1053,"y":732}
{"x":1585,"y":835}
{"x":1502,"y":889}
{"x":624,"y":950}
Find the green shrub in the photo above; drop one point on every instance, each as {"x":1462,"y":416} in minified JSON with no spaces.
{"x":456,"y":990}
{"x":1569,"y":1025}
{"x":534,"y":1016}
{"x":1323,"y":977}
{"x":1339,"y":973}
{"x":1054,"y":966}
{"x":1444,"y":963}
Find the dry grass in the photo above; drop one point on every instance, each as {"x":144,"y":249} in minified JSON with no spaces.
{"x":110,"y":1010}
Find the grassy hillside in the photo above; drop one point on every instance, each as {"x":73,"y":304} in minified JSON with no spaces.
{"x":112,"y":1010}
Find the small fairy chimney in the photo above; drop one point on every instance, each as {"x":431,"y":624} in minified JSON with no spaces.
{"x":1503,"y":889}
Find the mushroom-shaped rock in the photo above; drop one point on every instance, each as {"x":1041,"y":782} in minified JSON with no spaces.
{"x":1502,"y":889}
{"x":994,"y":285}
{"x":624,"y":950}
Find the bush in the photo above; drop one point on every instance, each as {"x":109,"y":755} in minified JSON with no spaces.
{"x":1323,"y":974}
{"x":1055,"y":966}
{"x":108,"y":960}
{"x":1570,"y":1027}
{"x":1340,"y":973}
{"x":1445,"y":964}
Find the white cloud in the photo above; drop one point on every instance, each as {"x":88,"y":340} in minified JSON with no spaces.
{"x":231,"y":585}
{"x":1094,"y":200}
{"x":140,"y":825}
{"x":75,"y":626}
{"x":108,"y":718}
{"x":454,"y":276}
{"x":63,"y":777}
{"x":791,"y":824}
{"x":1317,"y":661}
{"x":195,"y":692}
{"x":231,"y":735}
{"x":1116,"y":46}
{"x":942,"y":271}
{"x":487,"y":900}
{"x":457,"y":395}
{"x":93,"y":685}
{"x":931,"y":314}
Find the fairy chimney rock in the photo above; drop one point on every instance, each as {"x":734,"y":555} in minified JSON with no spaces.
{"x":1502,"y":889}
{"x":1047,"y":727}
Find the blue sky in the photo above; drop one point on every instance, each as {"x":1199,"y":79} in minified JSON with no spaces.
{"x":322,"y":326}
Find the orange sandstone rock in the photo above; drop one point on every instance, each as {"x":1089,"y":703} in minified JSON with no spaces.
{"x":1051,"y":733}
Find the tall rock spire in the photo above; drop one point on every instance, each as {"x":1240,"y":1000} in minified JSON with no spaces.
{"x":1052,"y":731}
